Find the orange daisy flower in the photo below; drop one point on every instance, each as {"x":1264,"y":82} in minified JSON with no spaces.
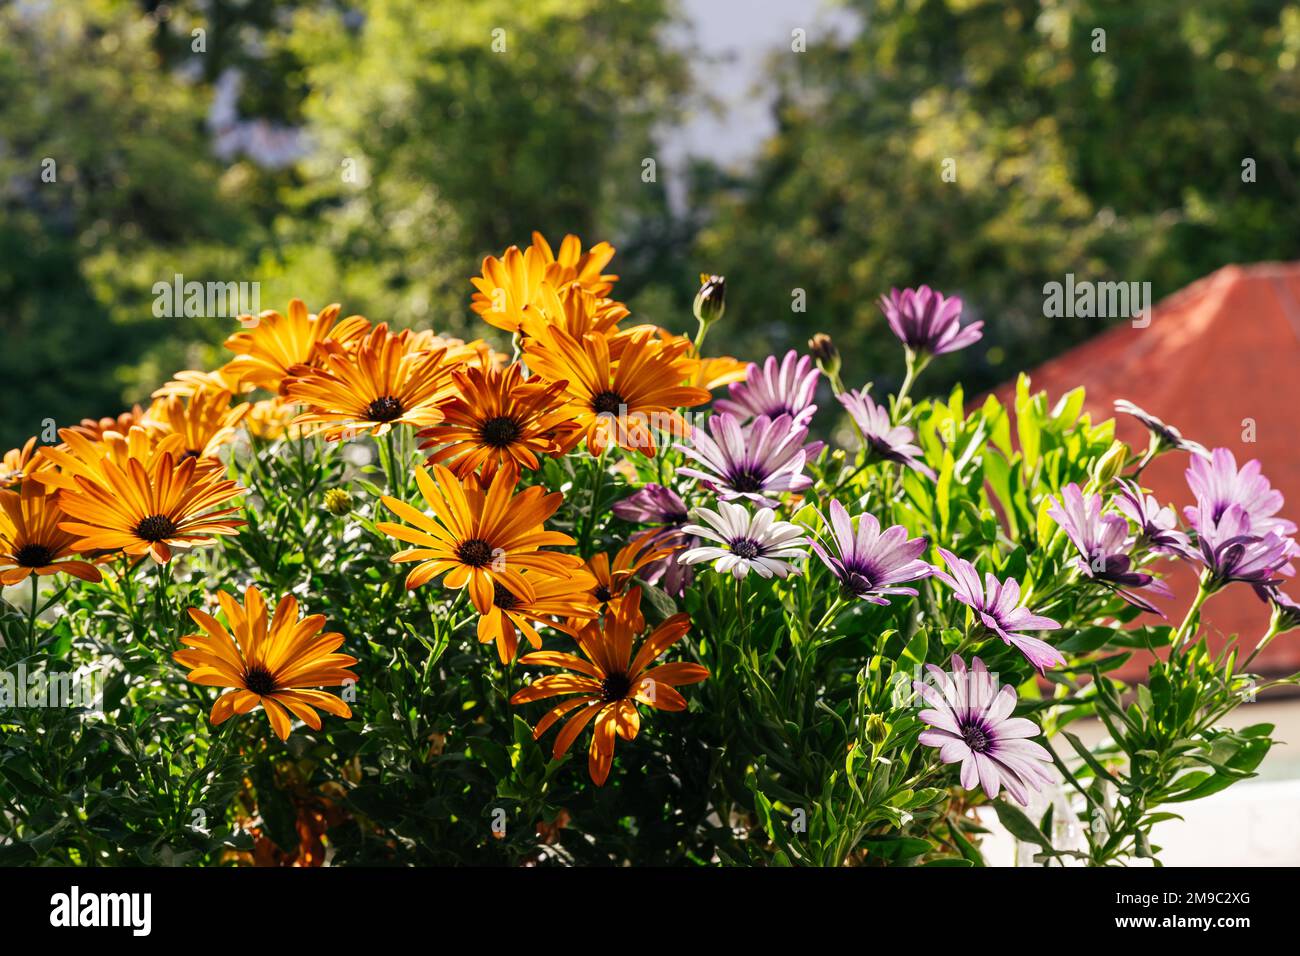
{"x":149,"y":511}
{"x":507,"y":287}
{"x":83,"y":456}
{"x":275,"y":664}
{"x":621,"y":401}
{"x":556,"y":601}
{"x":96,"y":428}
{"x":204,"y":421}
{"x":31,"y":541}
{"x":573,"y":265}
{"x":16,"y":463}
{"x":265,"y":352}
{"x":497,"y":416}
{"x":384,"y":382}
{"x":190,"y":381}
{"x":612,"y":579}
{"x":610,"y":682}
{"x":479,"y":535}
{"x":578,"y":313}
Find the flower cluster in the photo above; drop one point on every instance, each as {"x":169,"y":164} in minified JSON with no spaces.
{"x":579,"y":496}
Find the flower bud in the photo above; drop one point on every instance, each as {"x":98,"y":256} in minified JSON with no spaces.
{"x":711,"y":300}
{"x":826,"y":355}
{"x":338,"y":501}
{"x":1110,"y":464}
{"x":877,"y":729}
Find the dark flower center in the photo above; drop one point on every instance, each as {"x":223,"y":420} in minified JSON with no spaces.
{"x":614,"y":687}
{"x":259,"y":680}
{"x":384,"y":409}
{"x":745,"y":548}
{"x":976,"y":738}
{"x":503,"y":598}
{"x":607,"y":403}
{"x":749,"y":480}
{"x":155,"y":528}
{"x":33,"y":556}
{"x":602,"y":593}
{"x":475,"y":552}
{"x":499,"y":432}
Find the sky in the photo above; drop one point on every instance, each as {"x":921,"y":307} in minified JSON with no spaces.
{"x":735,"y":39}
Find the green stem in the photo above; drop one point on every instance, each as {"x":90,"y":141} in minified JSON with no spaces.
{"x":1202,"y":593}
{"x":31,"y":616}
{"x":595,"y":484}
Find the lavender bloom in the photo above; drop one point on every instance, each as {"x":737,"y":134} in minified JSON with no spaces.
{"x":1164,"y":435}
{"x":1238,"y":533}
{"x":884,"y":439}
{"x":871,"y":564}
{"x":1232,"y":552}
{"x":755,"y":463}
{"x":787,"y":389}
{"x":971,"y":723}
{"x":1218,"y":485}
{"x":662,"y":508}
{"x":927,"y":322}
{"x":758,"y":542}
{"x":1103,"y":544}
{"x":653,"y":504}
{"x":1157,"y":526}
{"x":997,"y":605}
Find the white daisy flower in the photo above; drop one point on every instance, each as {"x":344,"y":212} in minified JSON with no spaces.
{"x":745,"y":541}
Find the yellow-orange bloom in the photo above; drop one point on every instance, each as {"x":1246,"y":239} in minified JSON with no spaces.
{"x":573,"y":265}
{"x":510,"y":285}
{"x":204,"y":421}
{"x":81,"y":455}
{"x":382,"y":383}
{"x":31,"y":541}
{"x":16,"y":463}
{"x":275,"y":664}
{"x":267,"y":350}
{"x":497,"y":416}
{"x":608,"y":681}
{"x":613,"y":578}
{"x":150,"y":511}
{"x":555,"y":601}
{"x":479,"y":535}
{"x":621,"y":401}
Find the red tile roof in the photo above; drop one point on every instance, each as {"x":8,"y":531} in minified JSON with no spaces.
{"x":1219,"y":357}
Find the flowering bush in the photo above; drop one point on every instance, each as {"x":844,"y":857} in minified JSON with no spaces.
{"x":443,"y":575}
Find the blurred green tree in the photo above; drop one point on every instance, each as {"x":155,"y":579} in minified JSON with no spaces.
{"x":1112,"y":155}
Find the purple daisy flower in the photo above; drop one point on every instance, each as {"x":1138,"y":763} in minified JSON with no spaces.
{"x":774,"y":390}
{"x":1238,"y":533}
{"x":757,"y":462}
{"x":883,"y":438}
{"x":1165,"y":436}
{"x":971,"y":724}
{"x":1233,"y":552}
{"x":997,"y":605}
{"x":870,"y":563}
{"x":927,"y":322}
{"x":653,"y":504}
{"x":1218,"y":485}
{"x":665,"y":511}
{"x":1157,"y":526}
{"x":1104,"y":547}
